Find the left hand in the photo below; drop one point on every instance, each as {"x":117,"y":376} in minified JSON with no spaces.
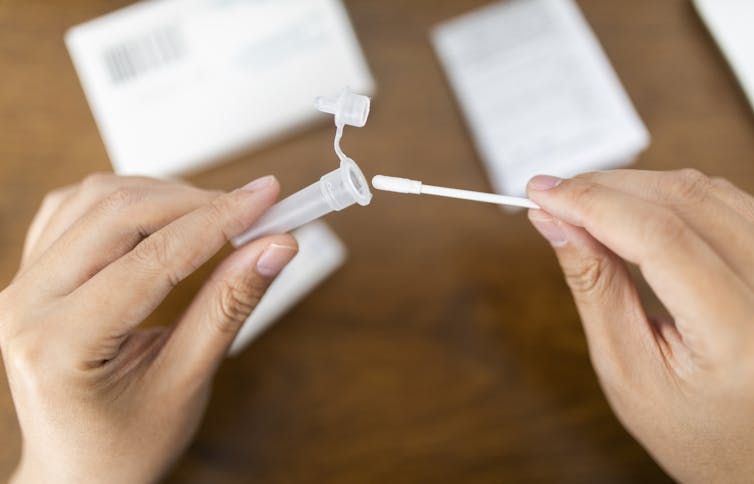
{"x":98,"y":399}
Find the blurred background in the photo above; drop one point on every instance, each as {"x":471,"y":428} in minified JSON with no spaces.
{"x":447,"y":348}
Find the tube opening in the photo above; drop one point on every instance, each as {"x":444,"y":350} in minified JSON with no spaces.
{"x":356,"y":182}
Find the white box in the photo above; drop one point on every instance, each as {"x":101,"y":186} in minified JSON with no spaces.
{"x":176,"y":84}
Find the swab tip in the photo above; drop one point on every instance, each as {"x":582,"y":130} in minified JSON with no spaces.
{"x":398,"y":185}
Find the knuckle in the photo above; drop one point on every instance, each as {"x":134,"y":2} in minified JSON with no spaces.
{"x":212,"y":195}
{"x":588,"y":276}
{"x":583,"y":193}
{"x":235,"y":302}
{"x":223,"y":215}
{"x":689,"y":185}
{"x":153,"y":255}
{"x":665,"y":229}
{"x":96,"y":181}
{"x":590,"y":176}
{"x":120,"y":199}
{"x":218,"y":207}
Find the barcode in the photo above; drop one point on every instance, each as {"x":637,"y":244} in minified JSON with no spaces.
{"x":128,"y":60}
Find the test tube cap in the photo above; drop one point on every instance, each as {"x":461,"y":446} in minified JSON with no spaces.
{"x":349,"y":108}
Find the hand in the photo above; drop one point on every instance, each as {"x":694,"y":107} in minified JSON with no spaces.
{"x":98,"y":399}
{"x":683,"y":386}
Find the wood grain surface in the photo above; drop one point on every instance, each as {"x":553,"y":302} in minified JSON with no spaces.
{"x":448,"y":349}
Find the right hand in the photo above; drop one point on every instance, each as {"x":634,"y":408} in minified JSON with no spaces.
{"x":683,"y":386}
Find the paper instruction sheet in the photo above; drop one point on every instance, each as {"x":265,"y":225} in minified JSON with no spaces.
{"x":537,"y":91}
{"x":731,"y":23}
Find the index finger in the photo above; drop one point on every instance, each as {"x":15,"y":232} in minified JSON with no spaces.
{"x":134,"y":285}
{"x":680,"y":267}
{"x":702,"y":203}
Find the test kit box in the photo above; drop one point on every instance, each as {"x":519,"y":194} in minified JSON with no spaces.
{"x":177,"y":84}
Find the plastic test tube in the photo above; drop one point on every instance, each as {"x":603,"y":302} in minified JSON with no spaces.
{"x":333,"y":192}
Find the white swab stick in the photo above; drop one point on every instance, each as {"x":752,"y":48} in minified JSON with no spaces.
{"x":404,"y":185}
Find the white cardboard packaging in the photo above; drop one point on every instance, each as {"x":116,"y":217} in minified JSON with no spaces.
{"x":177,"y":84}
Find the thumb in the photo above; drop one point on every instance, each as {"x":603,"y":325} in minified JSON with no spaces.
{"x":618,"y":331}
{"x":203,"y":335}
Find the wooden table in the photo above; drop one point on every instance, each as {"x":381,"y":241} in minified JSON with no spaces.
{"x":457,"y":355}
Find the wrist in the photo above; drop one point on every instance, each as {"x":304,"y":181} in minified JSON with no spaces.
{"x":24,"y":475}
{"x":35,"y":471}
{"x":28,"y":472}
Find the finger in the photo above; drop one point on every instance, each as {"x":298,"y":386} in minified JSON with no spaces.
{"x":679,"y":266}
{"x":50,"y":204}
{"x":146,"y":275}
{"x":622,"y":341}
{"x":687,"y":186}
{"x":90,"y":192}
{"x":109,"y":230}
{"x":729,"y":193}
{"x":707,"y":207}
{"x":202,"y":337}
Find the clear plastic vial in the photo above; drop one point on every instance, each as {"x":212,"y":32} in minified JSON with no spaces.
{"x":334,"y":192}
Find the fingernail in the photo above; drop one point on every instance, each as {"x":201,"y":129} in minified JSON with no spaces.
{"x":274,"y":259}
{"x":549,"y":228}
{"x":259,"y":183}
{"x":544,"y":182}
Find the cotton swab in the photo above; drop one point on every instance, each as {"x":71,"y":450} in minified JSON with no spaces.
{"x":415,"y":187}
